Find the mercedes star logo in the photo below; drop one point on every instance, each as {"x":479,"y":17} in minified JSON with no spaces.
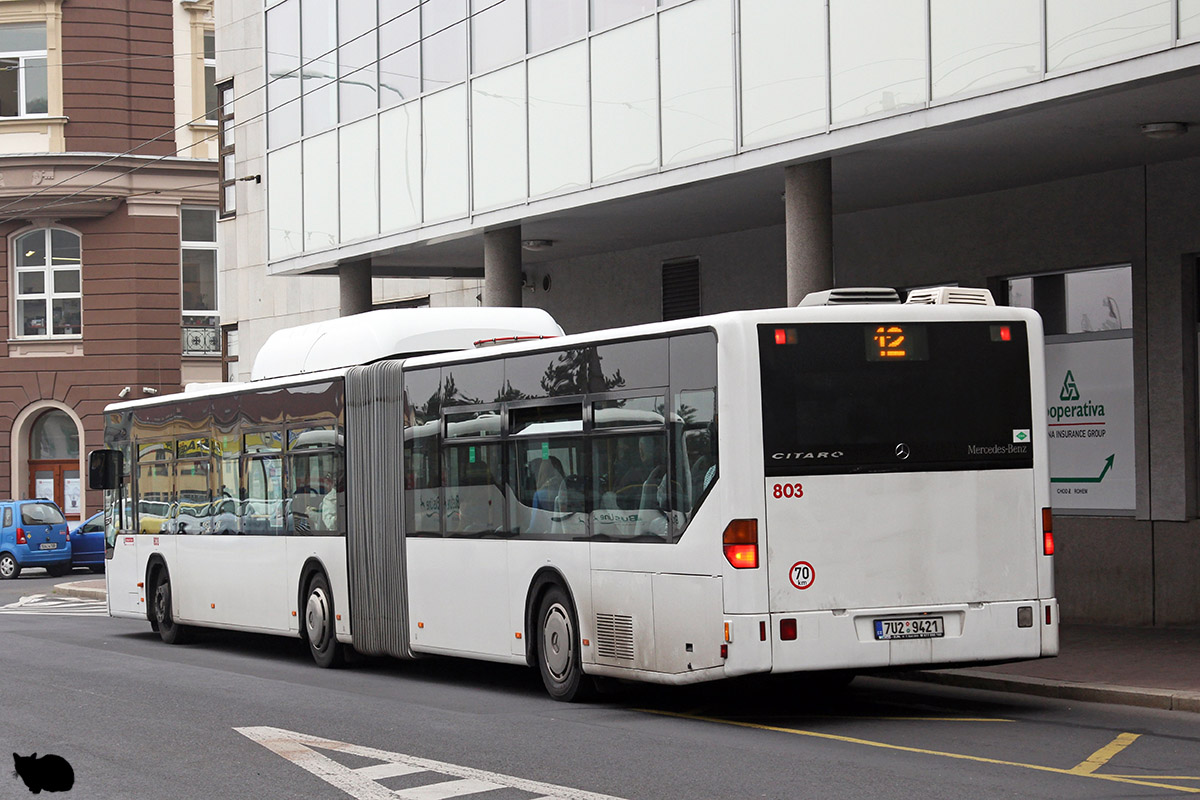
{"x":902,"y":451}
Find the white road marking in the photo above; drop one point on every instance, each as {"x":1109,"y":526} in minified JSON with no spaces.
{"x":361,"y":783}
{"x":57,"y":606}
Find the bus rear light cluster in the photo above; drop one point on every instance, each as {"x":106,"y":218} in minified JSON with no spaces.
{"x":740,"y":541}
{"x":1047,"y":532}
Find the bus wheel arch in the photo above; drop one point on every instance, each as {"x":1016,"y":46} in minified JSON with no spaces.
{"x":317,"y":614}
{"x":556,"y":640}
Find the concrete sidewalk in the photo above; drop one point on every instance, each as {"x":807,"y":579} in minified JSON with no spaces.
{"x":1151,"y":667}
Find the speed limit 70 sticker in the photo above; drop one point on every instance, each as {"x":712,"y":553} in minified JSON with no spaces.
{"x":802,"y":575}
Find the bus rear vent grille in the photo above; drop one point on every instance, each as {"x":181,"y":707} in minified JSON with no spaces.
{"x":951,"y":295}
{"x":614,"y":636}
{"x":851,"y":296}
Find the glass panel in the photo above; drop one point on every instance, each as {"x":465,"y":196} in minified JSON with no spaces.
{"x":66,"y":281}
{"x":624,"y":101}
{"x":445,"y":150}
{"x":1084,"y":31}
{"x":153,"y":497}
{"x":400,"y":58}
{"x":628,"y":412}
{"x":197,"y":224}
{"x":783,"y":68}
{"x":472,"y":424}
{"x":54,"y":435}
{"x":226,"y":503}
{"x":694,"y":449}
{"x":262,"y":512}
{"x":472,"y":384}
{"x":356,"y":60}
{"x":497,"y":35}
{"x":1189,"y":19}
{"x":43,"y":513}
{"x":285,"y":208}
{"x":193,"y":498}
{"x":1020,"y":292}
{"x":317,"y":488}
{"x":36,"y":94}
{"x":31,"y":282}
{"x":31,"y":249}
{"x":211,"y":112}
{"x":630,"y":365}
{"x":444,"y":58}
{"x":977,"y":46}
{"x":474,"y":489}
{"x":199,"y":280}
{"x":66,"y":316}
{"x":1099,"y":300}
{"x":555,"y":22}
{"x":210,"y":45}
{"x":422,"y":473}
{"x":559,"y":373}
{"x":558,"y":120}
{"x":549,"y":482}
{"x":230,"y":198}
{"x":696,"y":62}
{"x":64,"y":248}
{"x":318,"y":26}
{"x":32,"y":314}
{"x":358,"y":175}
{"x":498,"y":137}
{"x":321,"y":192}
{"x":877,"y":53}
{"x":606,"y":13}
{"x":10,"y":76}
{"x":283,"y":73}
{"x":545,"y":420}
{"x":437,"y":15}
{"x":400,"y":167}
{"x":22,"y":38}
{"x":628,"y":473}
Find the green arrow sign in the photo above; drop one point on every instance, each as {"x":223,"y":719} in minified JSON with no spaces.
{"x":1108,"y":462}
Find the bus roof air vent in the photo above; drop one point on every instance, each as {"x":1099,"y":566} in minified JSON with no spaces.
{"x":950,"y":295}
{"x":851,"y":296}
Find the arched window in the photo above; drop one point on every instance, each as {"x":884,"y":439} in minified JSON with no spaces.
{"x":47,"y":278}
{"x":54,"y":436}
{"x":54,"y":461}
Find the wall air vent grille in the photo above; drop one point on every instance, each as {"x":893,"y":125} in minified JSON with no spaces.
{"x":614,"y":636}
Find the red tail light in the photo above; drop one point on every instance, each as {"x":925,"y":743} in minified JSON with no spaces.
{"x":1047,"y":532}
{"x":20,"y":536}
{"x":741,"y":543}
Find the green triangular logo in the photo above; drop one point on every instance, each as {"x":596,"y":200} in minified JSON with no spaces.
{"x":1069,"y":390}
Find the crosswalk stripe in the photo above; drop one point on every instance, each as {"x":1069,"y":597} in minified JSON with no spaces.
{"x":447,"y":789}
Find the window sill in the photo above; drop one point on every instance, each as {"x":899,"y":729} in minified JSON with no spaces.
{"x":45,"y":348}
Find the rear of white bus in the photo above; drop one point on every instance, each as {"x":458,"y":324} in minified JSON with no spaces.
{"x":907,"y":491}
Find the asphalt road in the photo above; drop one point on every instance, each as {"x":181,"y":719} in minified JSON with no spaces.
{"x":239,"y":715}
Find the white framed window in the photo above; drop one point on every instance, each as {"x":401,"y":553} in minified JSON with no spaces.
{"x":198,"y":281}
{"x":23,"y":84}
{"x":48,"y":293}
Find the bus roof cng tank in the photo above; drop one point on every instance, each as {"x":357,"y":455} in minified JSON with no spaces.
{"x":392,"y":333}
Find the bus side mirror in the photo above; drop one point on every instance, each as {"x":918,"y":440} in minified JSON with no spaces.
{"x":105,"y":468}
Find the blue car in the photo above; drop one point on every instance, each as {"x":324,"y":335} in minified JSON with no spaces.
{"x":33,"y":533}
{"x":87,"y":543}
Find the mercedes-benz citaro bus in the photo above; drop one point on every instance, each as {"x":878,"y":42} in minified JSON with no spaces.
{"x":843,"y":485}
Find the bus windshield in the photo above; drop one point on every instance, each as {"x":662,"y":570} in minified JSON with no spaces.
{"x":871,"y":397}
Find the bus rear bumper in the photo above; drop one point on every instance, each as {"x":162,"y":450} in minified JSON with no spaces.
{"x":969,"y":632}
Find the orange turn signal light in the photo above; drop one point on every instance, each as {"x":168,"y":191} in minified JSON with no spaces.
{"x":740,"y":541}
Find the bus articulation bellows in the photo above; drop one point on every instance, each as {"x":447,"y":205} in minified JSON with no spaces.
{"x":827,"y":487}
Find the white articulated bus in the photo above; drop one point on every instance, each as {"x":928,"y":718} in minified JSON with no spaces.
{"x":827,"y":487}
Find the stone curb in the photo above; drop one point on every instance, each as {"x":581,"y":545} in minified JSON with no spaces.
{"x":78,"y":589}
{"x":1167,"y":699}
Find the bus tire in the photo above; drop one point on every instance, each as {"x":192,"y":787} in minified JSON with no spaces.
{"x":170,"y":631}
{"x":318,"y":623}
{"x":558,"y":654}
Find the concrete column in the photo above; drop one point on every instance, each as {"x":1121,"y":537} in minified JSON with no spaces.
{"x":502,"y":267}
{"x":808,"y":221}
{"x":354,"y":287}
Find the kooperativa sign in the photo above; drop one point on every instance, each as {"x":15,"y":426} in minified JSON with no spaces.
{"x":1089,"y":413}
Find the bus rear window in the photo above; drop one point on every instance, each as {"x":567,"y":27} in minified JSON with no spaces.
{"x":882,"y":397}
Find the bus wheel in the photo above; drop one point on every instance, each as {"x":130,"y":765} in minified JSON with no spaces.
{"x":558,"y":647}
{"x":318,"y":623}
{"x":169,"y":630}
